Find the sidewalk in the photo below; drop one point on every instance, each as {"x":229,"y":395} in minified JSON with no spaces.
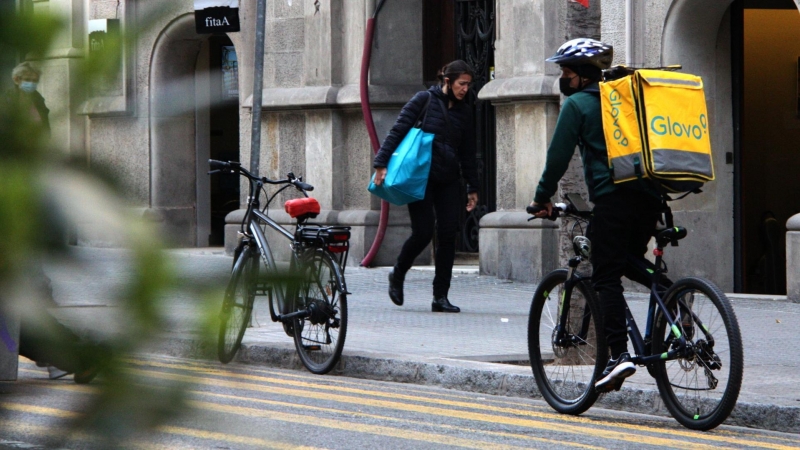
{"x":482,"y":349}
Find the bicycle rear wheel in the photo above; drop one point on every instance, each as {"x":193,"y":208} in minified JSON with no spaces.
{"x":319,"y":338}
{"x":566,"y":365}
{"x":700,"y":388}
{"x":238,"y":304}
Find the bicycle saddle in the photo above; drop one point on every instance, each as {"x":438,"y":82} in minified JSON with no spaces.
{"x":302,"y":208}
{"x":668,"y":235}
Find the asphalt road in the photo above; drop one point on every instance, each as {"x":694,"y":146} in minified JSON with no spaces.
{"x":243,"y":406}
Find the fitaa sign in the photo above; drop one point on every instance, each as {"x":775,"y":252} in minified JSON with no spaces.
{"x":216,"y":16}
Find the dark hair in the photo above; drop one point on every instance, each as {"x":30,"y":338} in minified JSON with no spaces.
{"x":454,"y":70}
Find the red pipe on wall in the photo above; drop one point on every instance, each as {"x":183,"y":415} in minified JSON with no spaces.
{"x":373,"y":136}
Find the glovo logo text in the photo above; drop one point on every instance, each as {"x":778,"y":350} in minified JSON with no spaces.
{"x":614,"y":101}
{"x":663,"y":126}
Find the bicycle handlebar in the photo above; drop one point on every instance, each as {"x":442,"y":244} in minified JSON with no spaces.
{"x":557,"y":209}
{"x":234,"y":167}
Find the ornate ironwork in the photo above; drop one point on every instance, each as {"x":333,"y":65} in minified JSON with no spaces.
{"x":475,"y":26}
{"x":475,"y":40}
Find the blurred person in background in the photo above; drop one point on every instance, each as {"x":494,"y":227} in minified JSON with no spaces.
{"x":38,"y":328}
{"x":25,"y":99}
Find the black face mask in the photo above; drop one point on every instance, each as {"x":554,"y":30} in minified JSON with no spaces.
{"x":565,"y":88}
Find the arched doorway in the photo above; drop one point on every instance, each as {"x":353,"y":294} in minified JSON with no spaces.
{"x":767,"y":57}
{"x":751,"y":81}
{"x":194,"y":116}
{"x":697,"y":35}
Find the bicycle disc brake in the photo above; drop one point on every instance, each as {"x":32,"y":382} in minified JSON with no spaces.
{"x":561,"y":345}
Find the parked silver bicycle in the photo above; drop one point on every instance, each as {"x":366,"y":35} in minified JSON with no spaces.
{"x":310,"y":300}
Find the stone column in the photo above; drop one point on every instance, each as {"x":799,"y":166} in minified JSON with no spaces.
{"x":793,"y":258}
{"x":312,"y":116}
{"x":62,"y":90}
{"x":525,"y":94}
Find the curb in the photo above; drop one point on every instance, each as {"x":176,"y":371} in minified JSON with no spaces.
{"x":479,"y":377}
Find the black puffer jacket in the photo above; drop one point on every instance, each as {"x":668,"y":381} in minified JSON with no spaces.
{"x":453,"y":153}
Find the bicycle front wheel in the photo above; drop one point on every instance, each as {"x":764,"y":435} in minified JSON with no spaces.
{"x":237,"y":304}
{"x":319,"y":338}
{"x":567,"y":361}
{"x":701,"y":386}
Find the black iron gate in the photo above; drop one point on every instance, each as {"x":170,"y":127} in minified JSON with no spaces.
{"x":475,"y":31}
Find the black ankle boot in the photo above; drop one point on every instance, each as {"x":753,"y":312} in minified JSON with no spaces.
{"x":396,"y":287}
{"x":441,"y":304}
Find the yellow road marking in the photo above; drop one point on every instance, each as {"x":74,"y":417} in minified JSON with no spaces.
{"x":83,"y":389}
{"x":329,"y":410}
{"x":178,"y":362}
{"x":41,"y":410}
{"x":467,"y":415}
{"x":317,"y":386}
{"x":349,"y":426}
{"x":497,"y":409}
{"x":278,"y":416}
{"x":52,"y":430}
{"x":182,"y":431}
{"x":214,"y":436}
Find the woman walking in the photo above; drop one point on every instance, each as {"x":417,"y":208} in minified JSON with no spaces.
{"x":450,"y":118}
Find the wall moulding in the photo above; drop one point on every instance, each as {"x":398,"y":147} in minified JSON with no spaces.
{"x":326,"y":97}
{"x":519,"y":89}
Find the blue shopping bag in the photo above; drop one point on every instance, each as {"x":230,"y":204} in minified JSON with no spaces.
{"x":408,"y":170}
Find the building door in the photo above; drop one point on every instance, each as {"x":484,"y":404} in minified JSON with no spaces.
{"x":766,"y":56}
{"x":216,"y":136}
{"x":223,"y":132}
{"x":464,"y":29}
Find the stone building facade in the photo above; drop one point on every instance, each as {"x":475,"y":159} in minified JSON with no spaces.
{"x":157,"y":124}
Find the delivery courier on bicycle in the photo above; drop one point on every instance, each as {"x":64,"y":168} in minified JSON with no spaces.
{"x":624,"y":215}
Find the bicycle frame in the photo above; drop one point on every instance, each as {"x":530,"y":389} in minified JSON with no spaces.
{"x":572,"y":281}
{"x":656,"y":305}
{"x":253,"y":219}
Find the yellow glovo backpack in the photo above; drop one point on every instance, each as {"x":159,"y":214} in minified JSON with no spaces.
{"x":656,"y":128}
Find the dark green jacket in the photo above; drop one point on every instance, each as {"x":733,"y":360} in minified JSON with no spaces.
{"x":579,"y":124}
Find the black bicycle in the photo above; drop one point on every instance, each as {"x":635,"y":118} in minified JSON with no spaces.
{"x":310,"y":300}
{"x":691,"y":346}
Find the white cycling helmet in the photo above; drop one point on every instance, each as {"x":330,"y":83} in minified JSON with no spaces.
{"x":584,"y":51}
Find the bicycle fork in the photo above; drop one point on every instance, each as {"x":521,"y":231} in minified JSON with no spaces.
{"x":561,"y":338}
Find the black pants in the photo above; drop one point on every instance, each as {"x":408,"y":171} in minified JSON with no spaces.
{"x":42,"y":338}
{"x":45,"y":340}
{"x":438,"y":210}
{"x":622,"y":225}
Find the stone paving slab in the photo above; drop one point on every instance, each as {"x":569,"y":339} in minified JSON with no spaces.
{"x":412,"y":344}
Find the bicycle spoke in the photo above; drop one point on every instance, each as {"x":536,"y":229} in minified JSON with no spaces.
{"x":700,"y":386}
{"x":237,"y":305}
{"x":320,"y":339}
{"x":564,"y":361}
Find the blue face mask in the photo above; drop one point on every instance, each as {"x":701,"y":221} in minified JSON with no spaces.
{"x":28,"y":86}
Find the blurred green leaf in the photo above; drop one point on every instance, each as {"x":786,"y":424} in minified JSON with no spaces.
{"x":44,"y":195}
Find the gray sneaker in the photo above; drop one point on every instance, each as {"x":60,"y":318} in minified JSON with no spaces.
{"x":616,"y":372}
